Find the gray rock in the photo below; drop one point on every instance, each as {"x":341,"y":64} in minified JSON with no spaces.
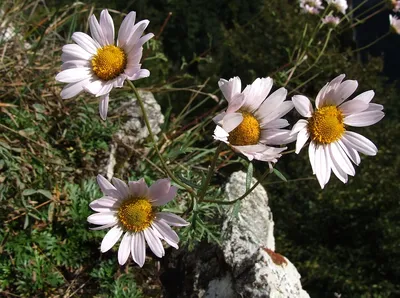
{"x":134,"y":131}
{"x":249,"y":244}
{"x":128,"y":140}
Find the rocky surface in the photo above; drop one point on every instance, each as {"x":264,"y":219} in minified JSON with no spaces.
{"x":246,"y":264}
{"x":128,"y":140}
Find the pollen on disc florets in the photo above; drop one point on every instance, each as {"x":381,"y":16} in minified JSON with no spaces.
{"x":326,"y":125}
{"x":136,"y":214}
{"x":247,"y":133}
{"x":109,"y":62}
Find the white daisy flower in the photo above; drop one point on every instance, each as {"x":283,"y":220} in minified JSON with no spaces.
{"x":131,"y":210}
{"x":252,"y":120}
{"x":395,"y":5}
{"x":311,"y":6}
{"x":96,"y":64}
{"x":332,"y":146}
{"x":339,"y":5}
{"x":331,"y":20}
{"x":394,"y":24}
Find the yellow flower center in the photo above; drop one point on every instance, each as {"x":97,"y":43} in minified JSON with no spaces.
{"x":136,"y":214}
{"x":326,"y":125}
{"x":247,"y":133}
{"x":109,"y":62}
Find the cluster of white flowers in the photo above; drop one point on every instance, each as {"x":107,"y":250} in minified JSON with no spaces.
{"x":315,"y":7}
{"x":394,"y":23}
{"x":394,"y":20}
{"x":252,"y":125}
{"x":395,"y":5}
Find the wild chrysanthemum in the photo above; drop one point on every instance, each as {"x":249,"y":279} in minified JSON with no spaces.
{"x":331,"y":20}
{"x":339,"y":5}
{"x":252,"y":120}
{"x":97,"y":64}
{"x":395,"y":5}
{"x":132,"y":210}
{"x":311,"y":6}
{"x":332,"y":146}
{"x":394,"y":24}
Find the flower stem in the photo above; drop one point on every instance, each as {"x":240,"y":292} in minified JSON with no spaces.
{"x":164,"y":164}
{"x":210,"y":173}
{"x":244,"y":195}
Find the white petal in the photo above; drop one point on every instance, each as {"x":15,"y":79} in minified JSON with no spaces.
{"x":302,"y":138}
{"x":278,"y":112}
{"x":105,"y":204}
{"x":86,"y":42}
{"x":78,"y":63}
{"x":365,"y":96}
{"x":364,"y":118}
{"x":301,"y":124}
{"x":342,"y":92}
{"x":271,"y":103}
{"x":105,"y":226}
{"x":160,"y":188}
{"x":217,"y":119}
{"x":303,"y":105}
{"x":74,"y":75}
{"x":162,"y":200}
{"x":166,"y":232}
{"x":277,"y":123}
{"x":342,"y":159}
{"x":103,"y":106}
{"x":138,"y":188}
{"x":96,"y":31}
{"x":360,"y":143}
{"x":125,"y":28}
{"x":172,"y":219}
{"x":94,"y":87}
{"x":231,"y":121}
{"x":104,"y":184}
{"x":154,"y":243}
{"x":276,"y":136}
{"x":136,"y":33}
{"x":256,"y":93}
{"x":106,"y":88}
{"x":142,"y":73}
{"x":141,"y":42}
{"x":107,"y":26}
{"x":312,"y":155}
{"x":350,"y":152}
{"x":353,"y":107}
{"x":124,"y":248}
{"x":321,"y":165}
{"x":337,"y":170}
{"x":230,"y":88}
{"x":121,"y":187}
{"x":103,"y":218}
{"x":322,"y":96}
{"x":235,"y":103}
{"x":138,"y":248}
{"x":73,"y":52}
{"x":73,"y":89}
{"x":111,"y":238}
{"x":220,"y":134}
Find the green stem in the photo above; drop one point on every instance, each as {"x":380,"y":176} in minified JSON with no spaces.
{"x":244,"y":195}
{"x":210,"y":173}
{"x":146,"y":121}
{"x":371,"y":44}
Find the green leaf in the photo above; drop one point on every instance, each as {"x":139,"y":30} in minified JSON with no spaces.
{"x":29,"y":192}
{"x":46,"y":193}
{"x":249,"y":175}
{"x":279,"y":175}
